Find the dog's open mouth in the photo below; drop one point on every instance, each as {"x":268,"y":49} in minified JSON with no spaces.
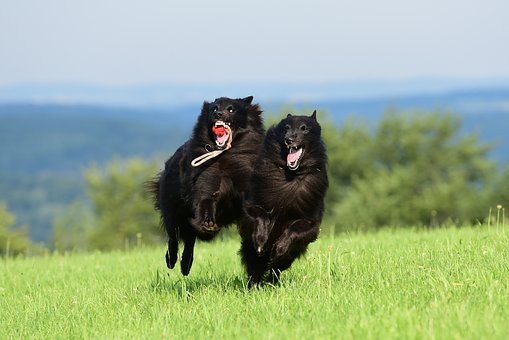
{"x":293,"y":158}
{"x":221,"y":133}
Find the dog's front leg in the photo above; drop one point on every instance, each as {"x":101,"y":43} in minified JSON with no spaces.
{"x":296,"y":237}
{"x":260,"y":220}
{"x":205,"y":216}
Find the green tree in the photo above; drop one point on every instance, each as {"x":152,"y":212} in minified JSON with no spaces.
{"x":72,"y":230}
{"x":350,"y":157}
{"x":422,"y":171}
{"x":12,"y":241}
{"x":118,"y":211}
{"x":124,"y":214}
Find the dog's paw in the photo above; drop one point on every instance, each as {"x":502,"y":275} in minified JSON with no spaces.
{"x":261,"y":235}
{"x":255,"y":281}
{"x":274,"y":276}
{"x":260,"y":242}
{"x":279,"y":251}
{"x":260,"y":250}
{"x":209,"y":225}
{"x":171,"y":259}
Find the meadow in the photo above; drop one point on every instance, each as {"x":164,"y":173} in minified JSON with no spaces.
{"x":409,"y":284}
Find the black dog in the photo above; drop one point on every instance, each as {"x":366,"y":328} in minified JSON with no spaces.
{"x":285,"y":200}
{"x":196,"y":200}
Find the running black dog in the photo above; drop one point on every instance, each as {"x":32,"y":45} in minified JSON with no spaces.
{"x":285,"y":202}
{"x":202,"y":186}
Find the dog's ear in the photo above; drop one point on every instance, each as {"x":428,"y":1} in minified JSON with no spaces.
{"x":289,"y":115}
{"x":205,"y":107}
{"x":313,"y":116}
{"x":247,"y":100}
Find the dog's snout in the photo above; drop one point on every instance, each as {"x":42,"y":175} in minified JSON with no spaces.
{"x":289,"y":141}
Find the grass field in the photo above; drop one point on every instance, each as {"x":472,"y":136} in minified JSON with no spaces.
{"x":443,"y":284}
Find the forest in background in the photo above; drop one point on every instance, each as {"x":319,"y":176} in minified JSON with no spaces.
{"x":408,"y":169}
{"x":47,"y":149}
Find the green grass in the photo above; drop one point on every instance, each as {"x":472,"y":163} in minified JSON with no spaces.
{"x":447,"y":283}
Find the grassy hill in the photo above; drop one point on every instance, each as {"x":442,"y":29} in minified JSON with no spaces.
{"x":445,"y":284}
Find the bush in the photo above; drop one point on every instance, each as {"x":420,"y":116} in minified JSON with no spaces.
{"x":411,"y":170}
{"x":12,"y":241}
{"x":120,"y":212}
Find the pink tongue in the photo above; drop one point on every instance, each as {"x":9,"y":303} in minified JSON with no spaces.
{"x":293,"y":156}
{"x":222,"y":139}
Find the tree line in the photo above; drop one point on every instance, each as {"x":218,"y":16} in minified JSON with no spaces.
{"x":408,"y":170}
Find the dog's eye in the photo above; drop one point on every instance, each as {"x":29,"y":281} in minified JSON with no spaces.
{"x":215,"y":108}
{"x":287,"y":127}
{"x":303,"y":127}
{"x":230,"y":109}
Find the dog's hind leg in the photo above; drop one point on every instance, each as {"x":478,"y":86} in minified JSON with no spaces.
{"x":173,"y":245}
{"x":172,"y":252}
{"x":187,"y":255}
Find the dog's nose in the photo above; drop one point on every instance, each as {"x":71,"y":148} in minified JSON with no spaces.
{"x":288,"y":141}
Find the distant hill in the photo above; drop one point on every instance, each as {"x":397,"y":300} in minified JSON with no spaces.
{"x":44,"y":148}
{"x":66,"y":138}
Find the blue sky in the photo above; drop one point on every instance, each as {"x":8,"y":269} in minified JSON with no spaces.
{"x":111,"y":42}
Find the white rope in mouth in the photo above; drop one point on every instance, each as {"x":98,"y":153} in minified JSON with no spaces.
{"x":211,"y":154}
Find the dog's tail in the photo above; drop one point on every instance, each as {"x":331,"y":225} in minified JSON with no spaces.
{"x":152,"y":188}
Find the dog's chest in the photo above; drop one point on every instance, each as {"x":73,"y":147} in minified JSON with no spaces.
{"x":296,"y":195}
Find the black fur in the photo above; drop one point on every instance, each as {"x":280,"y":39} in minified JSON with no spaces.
{"x":284,"y":207}
{"x":198,"y":201}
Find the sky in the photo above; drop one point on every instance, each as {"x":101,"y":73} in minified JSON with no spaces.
{"x":113,"y":42}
